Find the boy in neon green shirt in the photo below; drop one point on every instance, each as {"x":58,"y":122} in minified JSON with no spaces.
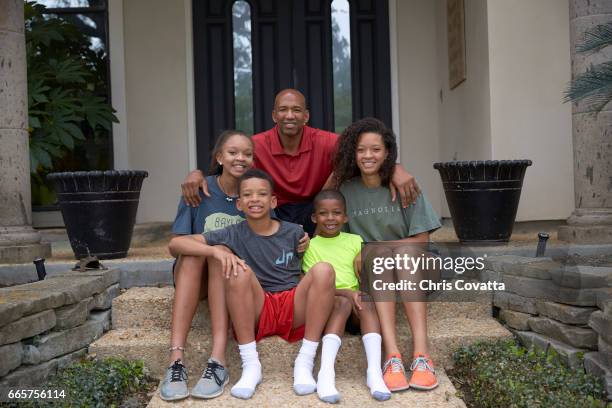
{"x":342,"y":250}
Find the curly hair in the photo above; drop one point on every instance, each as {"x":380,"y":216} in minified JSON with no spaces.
{"x":215,"y":168}
{"x":345,"y":165}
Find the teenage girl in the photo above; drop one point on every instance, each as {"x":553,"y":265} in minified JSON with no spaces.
{"x":364,"y":163}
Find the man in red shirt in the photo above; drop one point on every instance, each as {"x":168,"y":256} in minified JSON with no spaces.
{"x":299,"y":159}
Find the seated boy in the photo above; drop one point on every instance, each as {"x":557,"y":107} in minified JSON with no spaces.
{"x":264,"y":293}
{"x":343,"y":250}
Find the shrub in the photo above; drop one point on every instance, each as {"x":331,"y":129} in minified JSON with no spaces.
{"x":97,"y":383}
{"x":504,"y":374}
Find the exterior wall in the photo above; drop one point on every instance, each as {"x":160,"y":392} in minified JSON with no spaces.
{"x":529,"y":67}
{"x":509,"y":106}
{"x":156,"y":101}
{"x":465,"y":120}
{"x":418,"y":93}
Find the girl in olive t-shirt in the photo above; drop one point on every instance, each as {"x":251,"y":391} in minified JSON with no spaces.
{"x":363,"y":167}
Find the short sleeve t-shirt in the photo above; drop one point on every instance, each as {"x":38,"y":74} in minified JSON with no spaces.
{"x":340,"y":251}
{"x":274,"y":258}
{"x":375,"y":217}
{"x":300,"y":176}
{"x":214,"y":212}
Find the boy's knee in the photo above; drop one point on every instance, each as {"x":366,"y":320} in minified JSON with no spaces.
{"x":323,"y":273}
{"x":342,"y":305}
{"x":243,"y":279}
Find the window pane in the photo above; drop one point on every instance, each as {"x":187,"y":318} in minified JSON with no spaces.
{"x":72,"y":3}
{"x":341,"y":54}
{"x":243,"y":69}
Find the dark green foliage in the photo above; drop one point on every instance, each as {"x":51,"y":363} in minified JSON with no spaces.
{"x":595,"y":85}
{"x":504,"y":374}
{"x":98,"y":383}
{"x":64,"y":77}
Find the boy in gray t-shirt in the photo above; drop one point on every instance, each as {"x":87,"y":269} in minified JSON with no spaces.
{"x":263,"y":283}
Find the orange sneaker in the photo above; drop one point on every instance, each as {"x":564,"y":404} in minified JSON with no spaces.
{"x":423,"y":374}
{"x":394,"y":373}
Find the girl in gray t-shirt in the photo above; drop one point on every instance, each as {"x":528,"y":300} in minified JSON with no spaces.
{"x":363,"y":167}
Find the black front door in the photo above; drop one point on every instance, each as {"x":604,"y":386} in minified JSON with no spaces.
{"x":291,"y":42}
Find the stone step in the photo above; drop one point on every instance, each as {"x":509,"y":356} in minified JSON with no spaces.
{"x":276,"y":391}
{"x":149,"y":307}
{"x":151,"y":345}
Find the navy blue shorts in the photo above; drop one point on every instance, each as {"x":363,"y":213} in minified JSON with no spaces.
{"x":297,"y":213}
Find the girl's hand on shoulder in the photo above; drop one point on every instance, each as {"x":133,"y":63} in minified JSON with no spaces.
{"x":191,"y":188}
{"x":303,"y":243}
{"x":230,"y":262}
{"x":404,"y":183}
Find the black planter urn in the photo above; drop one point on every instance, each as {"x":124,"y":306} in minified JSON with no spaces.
{"x":483,"y":197}
{"x":99,"y":210}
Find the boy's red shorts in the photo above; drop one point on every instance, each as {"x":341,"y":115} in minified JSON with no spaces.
{"x":276,"y":317}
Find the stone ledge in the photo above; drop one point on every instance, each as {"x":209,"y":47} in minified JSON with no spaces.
{"x":59,"y":343}
{"x":36,"y":375}
{"x":547,"y":290}
{"x":601,"y":325}
{"x":27,"y":327}
{"x":565,"y":313}
{"x":516,"y":320}
{"x":11,"y":356}
{"x":571,"y":356}
{"x":574,"y":336}
{"x":59,"y":290}
{"x":517,"y":303}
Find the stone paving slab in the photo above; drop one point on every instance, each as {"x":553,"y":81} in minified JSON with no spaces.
{"x":276,"y":391}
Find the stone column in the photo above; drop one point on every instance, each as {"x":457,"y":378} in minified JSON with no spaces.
{"x":19,"y":242}
{"x":591,"y":221}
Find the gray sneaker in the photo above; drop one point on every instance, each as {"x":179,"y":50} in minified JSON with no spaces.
{"x":213,"y":381}
{"x":174,"y":386}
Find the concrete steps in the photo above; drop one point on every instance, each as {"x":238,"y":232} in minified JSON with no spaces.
{"x":276,"y":391}
{"x":152,"y":307}
{"x":141,"y":330}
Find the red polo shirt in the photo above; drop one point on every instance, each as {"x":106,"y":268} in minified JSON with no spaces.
{"x":300,"y":176}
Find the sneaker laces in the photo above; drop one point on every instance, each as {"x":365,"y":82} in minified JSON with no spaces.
{"x":177,"y":372}
{"x":396,"y":365}
{"x":421,"y":363}
{"x":211,"y":371}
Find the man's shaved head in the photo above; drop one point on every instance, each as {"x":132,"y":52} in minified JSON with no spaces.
{"x":290,"y":113}
{"x":291,"y":91}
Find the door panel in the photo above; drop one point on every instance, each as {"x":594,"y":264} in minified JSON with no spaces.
{"x":291,"y":47}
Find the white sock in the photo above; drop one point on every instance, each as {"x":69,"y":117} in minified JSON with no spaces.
{"x":303,"y":381}
{"x":372,"y":343}
{"x":251,"y":372}
{"x":326,"y":380}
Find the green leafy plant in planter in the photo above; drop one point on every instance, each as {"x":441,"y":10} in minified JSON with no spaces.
{"x":595,"y":85}
{"x":65,"y":78}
